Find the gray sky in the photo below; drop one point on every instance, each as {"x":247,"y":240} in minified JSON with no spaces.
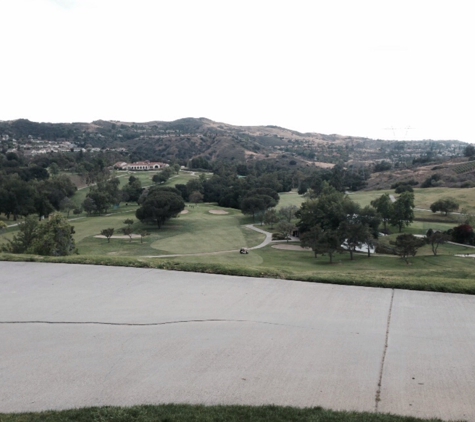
{"x":353,"y":67}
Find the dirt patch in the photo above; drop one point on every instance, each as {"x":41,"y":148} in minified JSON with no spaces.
{"x":324,"y":165}
{"x":286,"y":247}
{"x":185,"y":212}
{"x":218,"y":212}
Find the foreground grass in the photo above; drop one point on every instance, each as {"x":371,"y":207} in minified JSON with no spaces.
{"x":426,"y":272}
{"x":199,"y":413}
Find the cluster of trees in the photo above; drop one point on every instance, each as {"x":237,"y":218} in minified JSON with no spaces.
{"x":41,"y":197}
{"x":332,"y":219}
{"x":399,"y":213}
{"x":50,"y":237}
{"x":228,"y":189}
{"x":432,"y":181}
{"x":107,"y":194}
{"x":463,"y":234}
{"x":342,"y":179}
{"x":257,"y":201}
{"x":469,"y":151}
{"x":445,"y":205}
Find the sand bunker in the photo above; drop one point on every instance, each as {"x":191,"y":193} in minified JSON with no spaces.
{"x":185,"y":212}
{"x":134,"y":236}
{"x":218,"y":212}
{"x":286,"y":247}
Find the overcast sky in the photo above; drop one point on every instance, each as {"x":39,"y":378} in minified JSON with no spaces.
{"x":383,"y":69}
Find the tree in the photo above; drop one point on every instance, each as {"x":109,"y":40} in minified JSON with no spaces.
{"x":382,"y":166}
{"x":16,"y":196}
{"x":89,"y":206}
{"x":160,"y":178}
{"x":54,"y":169}
{"x":432,"y":181}
{"x":67,"y":205}
{"x":51,"y":237}
{"x":3,"y":227}
{"x":253,"y":205}
{"x":355,"y":234}
{"x":193,"y":185}
{"x":330,"y":243}
{"x":143,"y":233}
{"x":463,"y":234}
{"x":310,"y":239}
{"x":54,"y":237}
{"x":271,"y":217}
{"x":384,"y":207}
{"x":196,"y":197}
{"x":469,"y":151}
{"x":369,"y":216}
{"x":132,"y":190}
{"x":288,"y":212}
{"x":407,"y":245}
{"x":327,"y":211}
{"x":265,"y":192}
{"x":129,"y":222}
{"x":404,"y":188}
{"x":176,"y":168}
{"x":43,"y":206}
{"x":445,"y":205}
{"x":159,"y":206}
{"x":435,"y":239}
{"x":403,"y":211}
{"x":285,"y":229}
{"x":128,"y":231}
{"x":104,"y":195}
{"x":23,"y":240}
{"x":108,"y":233}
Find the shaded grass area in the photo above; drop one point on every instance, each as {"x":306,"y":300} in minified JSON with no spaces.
{"x":199,"y":413}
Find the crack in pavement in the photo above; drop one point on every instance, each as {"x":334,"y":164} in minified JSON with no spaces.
{"x":148,"y":324}
{"x":385,"y":349}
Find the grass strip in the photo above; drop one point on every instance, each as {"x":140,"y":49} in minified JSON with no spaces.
{"x":434,"y":279}
{"x":199,"y":413}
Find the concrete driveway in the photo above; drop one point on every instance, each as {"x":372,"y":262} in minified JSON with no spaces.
{"x":73,"y":336}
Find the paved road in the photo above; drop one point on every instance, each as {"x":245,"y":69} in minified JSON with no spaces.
{"x":88,"y":335}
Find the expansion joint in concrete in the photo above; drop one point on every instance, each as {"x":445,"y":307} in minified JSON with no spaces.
{"x":385,"y":349}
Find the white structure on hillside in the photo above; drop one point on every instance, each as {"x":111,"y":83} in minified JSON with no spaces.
{"x":140,"y":165}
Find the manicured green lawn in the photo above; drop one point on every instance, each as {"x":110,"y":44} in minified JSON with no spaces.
{"x":199,"y":413}
{"x":290,"y":198}
{"x":198,"y":231}
{"x":423,"y":198}
{"x":364,"y":198}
